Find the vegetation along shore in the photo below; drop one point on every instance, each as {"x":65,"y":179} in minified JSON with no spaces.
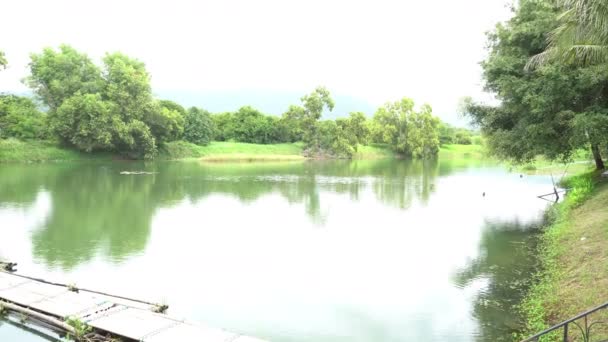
{"x":81,"y":109}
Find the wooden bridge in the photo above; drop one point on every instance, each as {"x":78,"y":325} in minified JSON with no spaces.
{"x":118,"y":317}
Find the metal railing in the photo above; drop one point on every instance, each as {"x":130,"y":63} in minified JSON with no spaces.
{"x":582,"y":329}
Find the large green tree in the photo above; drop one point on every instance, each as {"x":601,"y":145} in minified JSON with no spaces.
{"x":165,"y":119}
{"x":250,"y":125}
{"x":56,"y":75}
{"x":199,"y":127}
{"x":20,"y":118}
{"x":405,"y":130}
{"x":98,"y":109}
{"x":305,"y":118}
{"x":356,"y":127}
{"x":86,"y":122}
{"x":423,"y":133}
{"x":581,"y":36}
{"x":333,"y":139}
{"x":127,"y":85}
{"x":551,"y":110}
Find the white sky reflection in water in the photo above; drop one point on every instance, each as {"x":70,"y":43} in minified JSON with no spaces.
{"x":360,"y":269}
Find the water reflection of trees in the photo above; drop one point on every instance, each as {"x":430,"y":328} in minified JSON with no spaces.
{"x":95,"y":208}
{"x":506,"y":260}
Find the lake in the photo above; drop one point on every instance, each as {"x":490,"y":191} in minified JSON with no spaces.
{"x":384,"y":250}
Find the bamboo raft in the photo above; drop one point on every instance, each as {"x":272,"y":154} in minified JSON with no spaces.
{"x":118,"y":317}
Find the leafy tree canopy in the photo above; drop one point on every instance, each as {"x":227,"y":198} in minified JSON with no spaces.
{"x":407,"y":131}
{"x":20,"y":118}
{"x":55,"y":76}
{"x":551,"y":110}
{"x":198,"y":127}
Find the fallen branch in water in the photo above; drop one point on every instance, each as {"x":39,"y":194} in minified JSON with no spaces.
{"x":8,"y":266}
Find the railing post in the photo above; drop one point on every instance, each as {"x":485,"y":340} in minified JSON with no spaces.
{"x":566,"y":332}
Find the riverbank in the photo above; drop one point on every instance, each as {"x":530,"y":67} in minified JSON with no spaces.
{"x":12,"y":150}
{"x":231,"y":151}
{"x":573,"y":255}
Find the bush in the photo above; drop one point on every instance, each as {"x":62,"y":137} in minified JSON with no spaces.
{"x":199,"y":126}
{"x":19,"y":118}
{"x":463,"y":137}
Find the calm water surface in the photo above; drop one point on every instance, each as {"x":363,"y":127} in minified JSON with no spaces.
{"x":307,"y":251}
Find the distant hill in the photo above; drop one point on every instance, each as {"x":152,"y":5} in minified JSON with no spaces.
{"x":270,"y":102}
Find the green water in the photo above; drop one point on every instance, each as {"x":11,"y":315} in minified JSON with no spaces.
{"x":304,"y":251}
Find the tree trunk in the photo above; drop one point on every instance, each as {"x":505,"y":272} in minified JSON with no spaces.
{"x":599,"y":163}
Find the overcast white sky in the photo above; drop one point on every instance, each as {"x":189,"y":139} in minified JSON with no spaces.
{"x":376,"y":50}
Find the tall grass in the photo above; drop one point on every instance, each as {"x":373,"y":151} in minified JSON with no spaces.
{"x":556,"y":240}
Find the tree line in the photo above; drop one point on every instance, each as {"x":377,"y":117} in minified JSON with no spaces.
{"x":110,"y":107}
{"x":548,"y":67}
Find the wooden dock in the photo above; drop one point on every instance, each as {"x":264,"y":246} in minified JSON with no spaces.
{"x":122,"y":318}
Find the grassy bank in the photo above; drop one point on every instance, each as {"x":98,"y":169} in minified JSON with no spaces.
{"x":581,"y":161}
{"x":455,"y":151}
{"x":12,"y":150}
{"x":231,"y":151}
{"x":373,"y":151}
{"x":574,"y":275}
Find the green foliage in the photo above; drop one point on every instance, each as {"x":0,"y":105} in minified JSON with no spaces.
{"x":535,"y":306}
{"x":552,"y":110}
{"x":3,"y":61}
{"x":198,"y":127}
{"x":179,"y":150}
{"x":580,"y":37}
{"x":251,"y":126}
{"x":127,"y":84}
{"x":477,"y":140}
{"x":405,"y":130}
{"x":138,"y":141}
{"x":293,"y":120}
{"x":447,"y":133}
{"x":423,"y":137}
{"x":334,"y":139}
{"x":173,"y":106}
{"x":86,"y":122}
{"x":81,"y":329}
{"x":111,"y":108}
{"x":305,"y":118}
{"x":165,"y":122}
{"x":580,"y":187}
{"x":463,"y":137}
{"x":102,"y":110}
{"x":357,"y":128}
{"x":20,"y":118}
{"x":58,"y":75}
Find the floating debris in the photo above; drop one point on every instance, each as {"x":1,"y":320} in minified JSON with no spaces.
{"x":137,"y":173}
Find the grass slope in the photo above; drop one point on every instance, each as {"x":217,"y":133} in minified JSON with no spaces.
{"x":574,"y":257}
{"x":13,"y":150}
{"x":231,"y":151}
{"x":453,"y":151}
